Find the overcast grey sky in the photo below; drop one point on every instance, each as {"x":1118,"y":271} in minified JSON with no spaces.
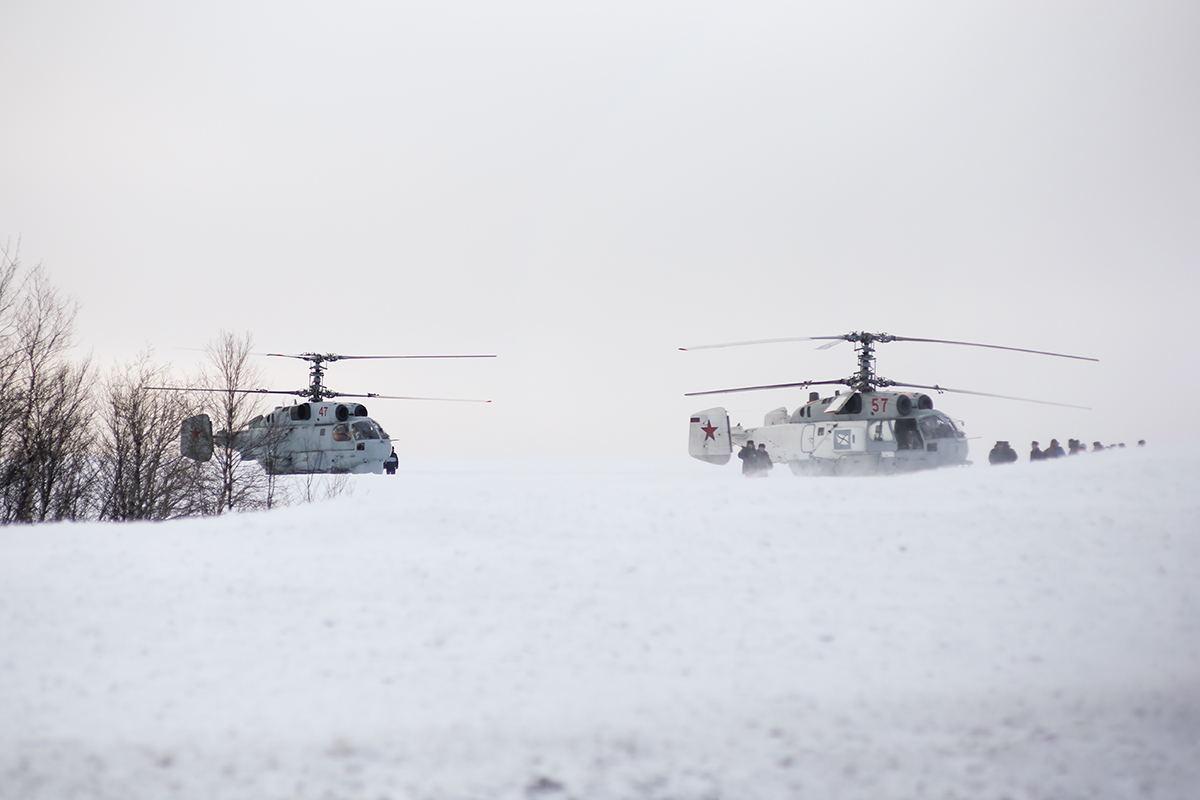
{"x":584,"y":187}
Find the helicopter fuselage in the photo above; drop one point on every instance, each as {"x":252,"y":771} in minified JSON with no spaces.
{"x":849,"y":433}
{"x":330,"y":438}
{"x":302,"y":439}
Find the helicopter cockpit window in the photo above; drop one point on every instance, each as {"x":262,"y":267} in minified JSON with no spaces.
{"x":365,"y":430}
{"x":341,"y":432}
{"x":936,"y":428}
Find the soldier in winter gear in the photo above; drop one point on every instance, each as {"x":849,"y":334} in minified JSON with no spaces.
{"x":1002,"y":453}
{"x":749,"y":456}
{"x":762,"y":463}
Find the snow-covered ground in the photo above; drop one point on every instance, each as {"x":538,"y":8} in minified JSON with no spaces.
{"x":558,"y":631}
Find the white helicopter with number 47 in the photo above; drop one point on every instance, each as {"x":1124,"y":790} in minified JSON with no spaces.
{"x":320,"y":436}
{"x":861,"y":432}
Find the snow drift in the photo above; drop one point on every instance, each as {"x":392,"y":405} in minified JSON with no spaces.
{"x":1030,"y":631}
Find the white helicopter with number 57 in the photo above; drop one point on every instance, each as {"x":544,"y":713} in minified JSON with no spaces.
{"x":320,"y":436}
{"x":867,"y":430}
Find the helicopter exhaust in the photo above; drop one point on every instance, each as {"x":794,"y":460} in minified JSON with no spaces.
{"x":196,"y":438}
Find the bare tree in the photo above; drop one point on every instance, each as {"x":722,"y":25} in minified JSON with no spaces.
{"x":274,"y":437}
{"x":241,"y":484}
{"x":67,"y":451}
{"x":317,"y":486}
{"x":141,"y":473}
{"x":10,"y":349}
{"x":45,"y":468}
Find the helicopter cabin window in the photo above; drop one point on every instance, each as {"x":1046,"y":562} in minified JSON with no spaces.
{"x":341,"y":432}
{"x":853,"y":406}
{"x":881,"y":431}
{"x":365,"y":430}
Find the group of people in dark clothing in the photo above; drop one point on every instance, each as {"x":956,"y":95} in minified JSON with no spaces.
{"x":1002,"y":452}
{"x":756,"y":461}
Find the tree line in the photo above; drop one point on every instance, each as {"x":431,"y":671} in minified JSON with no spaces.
{"x":81,"y":443}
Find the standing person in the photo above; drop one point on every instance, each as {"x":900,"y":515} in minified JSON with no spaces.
{"x":1002,"y":453}
{"x":763,"y":463}
{"x":1097,"y":446}
{"x":1036,"y":454}
{"x":749,"y":456}
{"x":1054,"y":450}
{"x":391,"y":462}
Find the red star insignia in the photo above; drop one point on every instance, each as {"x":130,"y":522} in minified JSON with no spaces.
{"x":710,"y":432}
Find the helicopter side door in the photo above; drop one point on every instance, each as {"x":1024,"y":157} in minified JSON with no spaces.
{"x":808,"y":438}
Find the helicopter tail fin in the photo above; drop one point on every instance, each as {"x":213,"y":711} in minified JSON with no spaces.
{"x":196,"y":438}
{"x":708,"y":436}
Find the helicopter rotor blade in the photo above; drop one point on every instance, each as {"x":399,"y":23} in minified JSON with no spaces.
{"x":760,"y":341}
{"x":828,"y":345}
{"x":992,"y":347}
{"x":302,"y":393}
{"x":474,"y":355}
{"x":937,"y":388}
{"x":338,"y":357}
{"x":407,"y":397}
{"x":800,"y":384}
